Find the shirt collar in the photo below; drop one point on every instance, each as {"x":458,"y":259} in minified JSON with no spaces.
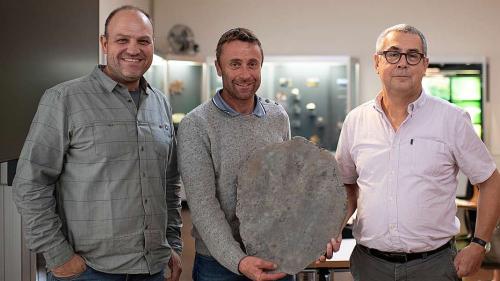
{"x":110,"y":84}
{"x":420,"y":101}
{"x":412,"y":107}
{"x":219,"y":102}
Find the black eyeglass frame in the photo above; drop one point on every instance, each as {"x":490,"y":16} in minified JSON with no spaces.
{"x":384,"y":53}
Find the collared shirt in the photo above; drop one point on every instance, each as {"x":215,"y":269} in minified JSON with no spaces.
{"x":114,"y":172}
{"x":219,"y":102}
{"x":407,"y":178}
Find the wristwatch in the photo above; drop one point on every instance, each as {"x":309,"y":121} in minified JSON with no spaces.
{"x":484,"y":244}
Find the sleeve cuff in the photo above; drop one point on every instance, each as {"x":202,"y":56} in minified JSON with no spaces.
{"x":485,"y":177}
{"x":349,"y":180}
{"x":175,"y":241}
{"x":234,"y":266}
{"x":177,"y":248}
{"x":239,"y":272}
{"x":58,"y":255}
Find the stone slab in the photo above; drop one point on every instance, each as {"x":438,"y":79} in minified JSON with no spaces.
{"x":291,"y":201}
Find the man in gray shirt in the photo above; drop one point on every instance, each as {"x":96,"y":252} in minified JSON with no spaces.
{"x":214,"y":141}
{"x":97,"y":183}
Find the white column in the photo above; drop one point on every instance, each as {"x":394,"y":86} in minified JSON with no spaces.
{"x":11,"y":242}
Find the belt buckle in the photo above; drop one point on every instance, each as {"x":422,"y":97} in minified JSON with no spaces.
{"x":400,"y":257}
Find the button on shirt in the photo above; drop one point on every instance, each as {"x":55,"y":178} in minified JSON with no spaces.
{"x":407,"y":178}
{"x":113,"y":168}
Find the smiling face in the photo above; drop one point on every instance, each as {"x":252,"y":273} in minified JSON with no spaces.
{"x":401,"y":77}
{"x":129,"y":47}
{"x":239,"y":66}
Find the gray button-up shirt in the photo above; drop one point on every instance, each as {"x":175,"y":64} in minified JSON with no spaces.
{"x":98,"y":177}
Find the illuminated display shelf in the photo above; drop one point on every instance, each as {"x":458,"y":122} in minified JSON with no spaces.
{"x":316,"y":91}
{"x":460,"y":84}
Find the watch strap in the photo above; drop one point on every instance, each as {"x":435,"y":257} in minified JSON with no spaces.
{"x":479,"y":241}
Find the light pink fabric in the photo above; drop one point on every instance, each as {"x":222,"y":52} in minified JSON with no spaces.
{"x":407,"y":179}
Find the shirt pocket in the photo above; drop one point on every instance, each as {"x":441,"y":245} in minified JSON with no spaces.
{"x":112,"y":140}
{"x":162,"y":138}
{"x":430,"y":157}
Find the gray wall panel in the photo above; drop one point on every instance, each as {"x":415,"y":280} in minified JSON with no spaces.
{"x":47,"y":42}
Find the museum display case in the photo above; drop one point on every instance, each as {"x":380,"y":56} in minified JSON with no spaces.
{"x":181,"y":79}
{"x":316,"y":91}
{"x":463,"y":84}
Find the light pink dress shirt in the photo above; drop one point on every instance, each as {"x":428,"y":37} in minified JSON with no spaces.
{"x":407,"y":179}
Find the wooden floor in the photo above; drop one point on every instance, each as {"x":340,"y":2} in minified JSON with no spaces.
{"x":188,"y":257}
{"x":188,"y":250}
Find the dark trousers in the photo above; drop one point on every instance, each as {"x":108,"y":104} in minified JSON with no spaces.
{"x":208,"y":269}
{"x":436,"y":267}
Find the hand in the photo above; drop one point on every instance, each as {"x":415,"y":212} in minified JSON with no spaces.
{"x":254,"y":268}
{"x":74,"y":266}
{"x":331,"y":247}
{"x":469,"y":259}
{"x":175,"y":266}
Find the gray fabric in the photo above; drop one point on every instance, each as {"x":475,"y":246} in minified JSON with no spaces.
{"x":275,"y":187}
{"x":437,"y":267}
{"x":99,"y":178}
{"x":213,"y":145}
{"x":136,"y":97}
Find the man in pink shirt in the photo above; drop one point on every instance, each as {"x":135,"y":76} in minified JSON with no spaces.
{"x":399,"y":155}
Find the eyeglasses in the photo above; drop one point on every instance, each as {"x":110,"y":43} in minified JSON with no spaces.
{"x":393,"y":57}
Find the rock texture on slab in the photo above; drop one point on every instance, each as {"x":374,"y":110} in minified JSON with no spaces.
{"x":290,"y":203}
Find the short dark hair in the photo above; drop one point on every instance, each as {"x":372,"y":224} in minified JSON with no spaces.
{"x":237,"y":34}
{"x":124,"y":8}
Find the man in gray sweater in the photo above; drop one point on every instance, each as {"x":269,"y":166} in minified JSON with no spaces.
{"x":214,"y":141}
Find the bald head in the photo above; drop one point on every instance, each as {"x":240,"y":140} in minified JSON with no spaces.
{"x":124,"y":8}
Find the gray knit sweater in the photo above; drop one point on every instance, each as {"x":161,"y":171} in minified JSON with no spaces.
{"x":212,"y":146}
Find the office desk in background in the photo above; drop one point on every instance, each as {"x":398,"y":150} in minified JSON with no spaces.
{"x":336,"y":268}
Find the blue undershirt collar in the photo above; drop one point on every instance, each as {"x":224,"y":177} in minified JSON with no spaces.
{"x":219,"y":102}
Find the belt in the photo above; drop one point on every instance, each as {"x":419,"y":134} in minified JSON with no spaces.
{"x":403,"y":257}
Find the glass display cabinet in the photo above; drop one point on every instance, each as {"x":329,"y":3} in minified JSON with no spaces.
{"x":181,"y":79}
{"x":316,"y":92}
{"x":462,"y":84}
